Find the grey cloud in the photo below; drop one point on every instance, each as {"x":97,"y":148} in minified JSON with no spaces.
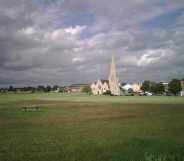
{"x":33,"y":51}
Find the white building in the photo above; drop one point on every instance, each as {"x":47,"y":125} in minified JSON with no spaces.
{"x":112,"y":85}
{"x":134,"y":87}
{"x":126,"y":87}
{"x":100,"y":87}
{"x":182,"y":93}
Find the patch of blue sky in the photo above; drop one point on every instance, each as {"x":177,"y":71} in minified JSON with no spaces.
{"x":165,"y":21}
{"x":48,"y":3}
{"x":72,"y":19}
{"x":86,"y":34}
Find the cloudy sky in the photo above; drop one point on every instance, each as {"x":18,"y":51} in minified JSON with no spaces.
{"x":72,"y":41}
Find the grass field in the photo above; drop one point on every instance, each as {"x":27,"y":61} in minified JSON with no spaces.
{"x":91,"y":128}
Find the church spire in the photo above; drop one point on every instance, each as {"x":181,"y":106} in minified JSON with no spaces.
{"x":113,"y":79}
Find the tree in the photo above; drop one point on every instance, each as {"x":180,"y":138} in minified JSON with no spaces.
{"x":153,"y":87}
{"x":55,"y":87}
{"x":175,"y":86}
{"x":146,"y":85}
{"x":87,"y":89}
{"x":108,"y":92}
{"x":157,"y":88}
{"x":11,"y":89}
{"x":160,"y":88}
{"x":41,"y":88}
{"x":48,"y":88}
{"x":28,"y":89}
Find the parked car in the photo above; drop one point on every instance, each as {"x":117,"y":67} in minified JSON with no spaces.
{"x":148,"y":93}
{"x":145,"y":94}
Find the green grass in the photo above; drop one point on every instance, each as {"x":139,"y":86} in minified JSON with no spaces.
{"x":91,"y":128}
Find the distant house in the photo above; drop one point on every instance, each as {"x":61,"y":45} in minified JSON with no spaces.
{"x":182,"y":93}
{"x":75,"y":88}
{"x":127,"y":87}
{"x":182,"y":85}
{"x":100,"y":87}
{"x":59,"y":89}
{"x":134,"y":87}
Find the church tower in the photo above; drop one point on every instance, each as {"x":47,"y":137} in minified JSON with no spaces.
{"x":113,"y":79}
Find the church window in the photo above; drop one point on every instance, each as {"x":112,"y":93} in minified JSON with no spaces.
{"x":99,"y":87}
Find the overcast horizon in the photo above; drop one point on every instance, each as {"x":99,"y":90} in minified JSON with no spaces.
{"x":71,"y":41}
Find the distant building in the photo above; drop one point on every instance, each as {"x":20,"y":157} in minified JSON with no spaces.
{"x":182,"y":85}
{"x":134,"y":87}
{"x":112,"y":85}
{"x":137,"y":87}
{"x":182,"y":93}
{"x":59,"y":89}
{"x":75,"y":88}
{"x":127,"y":87}
{"x":100,"y":87}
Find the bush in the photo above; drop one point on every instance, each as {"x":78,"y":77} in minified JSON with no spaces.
{"x":108,"y":92}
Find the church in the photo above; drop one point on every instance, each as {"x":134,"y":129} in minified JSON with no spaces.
{"x":102,"y":86}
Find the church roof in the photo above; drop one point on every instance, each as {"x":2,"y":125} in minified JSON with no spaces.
{"x":104,"y":81}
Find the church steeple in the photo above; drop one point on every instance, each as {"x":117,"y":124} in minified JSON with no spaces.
{"x":113,"y":79}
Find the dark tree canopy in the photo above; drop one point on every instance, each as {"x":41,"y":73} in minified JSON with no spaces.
{"x":160,"y":88}
{"x":87,"y":89}
{"x":55,"y":87}
{"x":11,"y":88}
{"x":157,"y":88}
{"x":175,"y":86}
{"x":108,"y":92}
{"x":48,"y":88}
{"x":146,"y":86}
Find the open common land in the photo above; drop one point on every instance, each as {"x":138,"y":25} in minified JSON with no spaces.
{"x":69,"y":127}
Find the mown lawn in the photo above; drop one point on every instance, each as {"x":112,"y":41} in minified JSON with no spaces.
{"x":91,"y":128}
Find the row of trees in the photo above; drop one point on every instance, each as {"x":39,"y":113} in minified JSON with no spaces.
{"x":157,"y":88}
{"x":174,"y":87}
{"x":87,"y":89}
{"x":40,"y":88}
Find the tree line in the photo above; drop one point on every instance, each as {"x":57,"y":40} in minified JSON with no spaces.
{"x":39,"y":88}
{"x":173,"y":87}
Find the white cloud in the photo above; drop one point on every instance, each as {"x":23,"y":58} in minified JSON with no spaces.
{"x":55,"y":35}
{"x":48,"y":43}
{"x":75,"y":30}
{"x":152,"y":57}
{"x":28,"y":31}
{"x":77,"y":59}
